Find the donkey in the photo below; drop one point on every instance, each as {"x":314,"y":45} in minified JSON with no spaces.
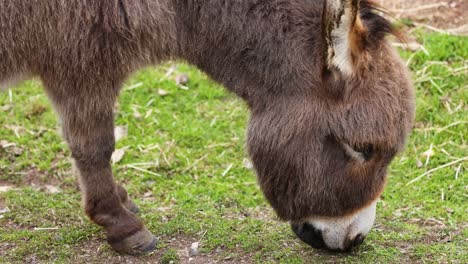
{"x":331,"y":102}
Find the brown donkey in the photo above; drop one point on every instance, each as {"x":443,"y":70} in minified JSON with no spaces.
{"x":331,"y":102}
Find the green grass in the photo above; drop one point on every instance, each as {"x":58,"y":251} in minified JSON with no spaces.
{"x":192,"y":143}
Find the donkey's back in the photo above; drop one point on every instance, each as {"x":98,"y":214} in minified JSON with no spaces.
{"x":54,"y":37}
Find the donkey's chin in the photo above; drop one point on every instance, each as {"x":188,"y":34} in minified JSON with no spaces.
{"x":337,"y":233}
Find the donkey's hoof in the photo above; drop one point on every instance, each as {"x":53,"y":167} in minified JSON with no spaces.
{"x":140,"y":243}
{"x":132,"y":207}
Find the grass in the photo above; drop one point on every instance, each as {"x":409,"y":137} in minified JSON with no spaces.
{"x":186,"y":166}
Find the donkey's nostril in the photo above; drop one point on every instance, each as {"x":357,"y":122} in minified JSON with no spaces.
{"x":309,"y":234}
{"x":358,"y":240}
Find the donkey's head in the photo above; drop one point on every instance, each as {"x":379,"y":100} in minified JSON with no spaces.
{"x":321,"y":158}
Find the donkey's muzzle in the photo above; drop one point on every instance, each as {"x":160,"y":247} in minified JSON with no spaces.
{"x":314,"y":237}
{"x":309,"y":234}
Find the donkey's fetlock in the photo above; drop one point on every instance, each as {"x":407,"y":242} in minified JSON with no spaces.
{"x":131,"y":206}
{"x":126,"y":201}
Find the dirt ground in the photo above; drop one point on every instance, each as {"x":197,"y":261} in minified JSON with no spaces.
{"x":446,"y":16}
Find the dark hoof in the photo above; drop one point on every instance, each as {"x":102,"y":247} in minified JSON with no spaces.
{"x":132,"y":207}
{"x":140,"y":243}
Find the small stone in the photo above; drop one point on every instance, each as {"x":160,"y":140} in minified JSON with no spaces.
{"x":5,"y":144}
{"x":52,"y":189}
{"x":429,"y":153}
{"x":247,"y":164}
{"x":4,"y":189}
{"x":4,"y":210}
{"x":136,"y":114}
{"x":162,"y":92}
{"x":194,"y":250}
{"x":6,"y":108}
{"x":117,"y":156}
{"x":17,"y":151}
{"x":120,"y":132}
{"x":419,"y":163}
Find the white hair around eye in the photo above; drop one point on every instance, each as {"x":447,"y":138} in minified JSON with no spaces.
{"x":354,"y":154}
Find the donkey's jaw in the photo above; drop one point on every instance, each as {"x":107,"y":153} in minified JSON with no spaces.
{"x":342,"y":233}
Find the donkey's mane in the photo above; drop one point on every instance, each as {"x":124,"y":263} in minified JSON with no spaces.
{"x":377,"y":25}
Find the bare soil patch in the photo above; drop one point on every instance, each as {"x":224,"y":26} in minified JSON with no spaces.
{"x":450,"y":15}
{"x":96,"y":251}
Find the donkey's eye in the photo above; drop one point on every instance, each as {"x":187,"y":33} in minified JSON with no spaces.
{"x":367,"y":151}
{"x":359,"y":153}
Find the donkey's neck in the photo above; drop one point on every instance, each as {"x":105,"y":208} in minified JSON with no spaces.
{"x":247,"y":46}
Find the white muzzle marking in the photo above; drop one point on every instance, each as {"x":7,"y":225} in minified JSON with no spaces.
{"x":337,"y":232}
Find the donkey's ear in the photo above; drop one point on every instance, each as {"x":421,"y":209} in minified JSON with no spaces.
{"x":343,"y":33}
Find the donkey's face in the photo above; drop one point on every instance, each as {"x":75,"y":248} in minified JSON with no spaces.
{"x":321,"y":159}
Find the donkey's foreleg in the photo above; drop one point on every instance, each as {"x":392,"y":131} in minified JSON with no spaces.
{"x":87,"y":121}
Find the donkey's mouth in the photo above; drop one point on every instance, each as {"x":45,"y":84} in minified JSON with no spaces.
{"x":309,"y":235}
{"x":314,"y":238}
{"x":337,"y":233}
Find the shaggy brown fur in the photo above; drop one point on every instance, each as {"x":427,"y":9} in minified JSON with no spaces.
{"x":273,"y":54}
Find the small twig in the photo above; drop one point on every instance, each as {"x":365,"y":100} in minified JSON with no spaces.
{"x":10,"y":95}
{"x":440,"y":223}
{"x":227,"y":170}
{"x":410,"y":59}
{"x":203,"y":235}
{"x":458,"y":172}
{"x":436,"y":169}
{"x":45,"y":228}
{"x":143,"y":170}
{"x":169,"y":72}
{"x":429,"y":154}
{"x":461,"y":69}
{"x":451,"y":125}
{"x":440,"y":129}
{"x":133,"y":87}
{"x":411,"y":46}
{"x":434,"y":28}
{"x":220,"y":145}
{"x":164,"y":154}
{"x":462,"y":30}
{"x":143,"y":164}
{"x":420,"y":8}
{"x":194,"y":163}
